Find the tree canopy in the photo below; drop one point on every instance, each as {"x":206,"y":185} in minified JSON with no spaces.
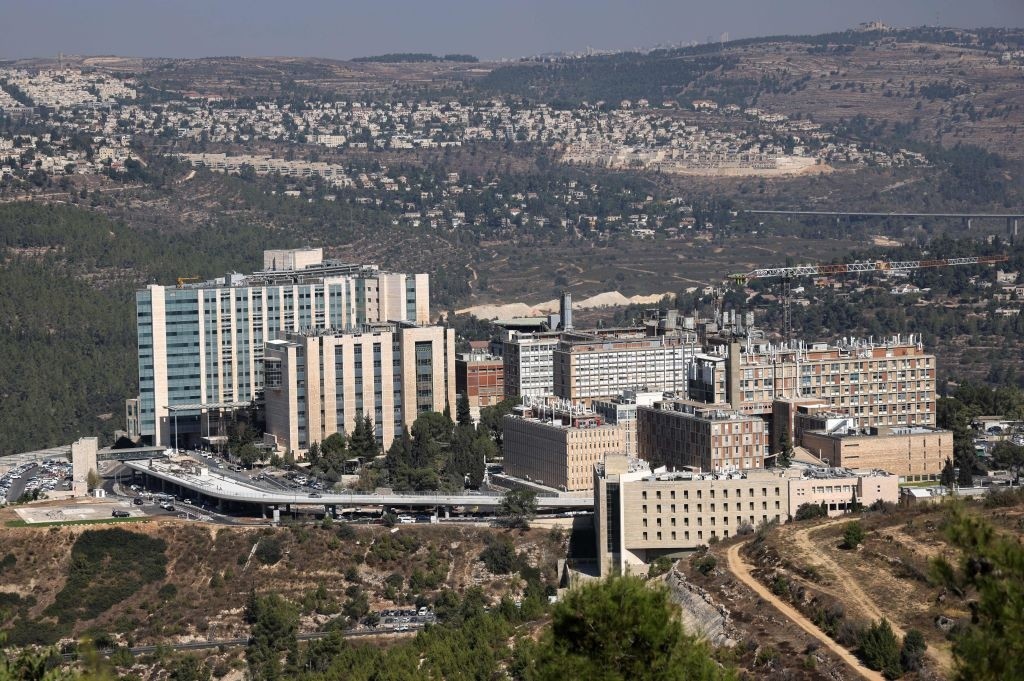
{"x":991,"y":573}
{"x":622,"y":628}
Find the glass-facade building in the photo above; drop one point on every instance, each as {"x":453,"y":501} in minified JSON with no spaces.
{"x":200,"y":346}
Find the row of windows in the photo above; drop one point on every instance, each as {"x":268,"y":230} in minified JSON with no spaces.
{"x":711,"y":494}
{"x":700,"y":509}
{"x":700,"y":533}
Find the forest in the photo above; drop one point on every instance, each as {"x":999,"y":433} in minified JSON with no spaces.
{"x":612,"y":78}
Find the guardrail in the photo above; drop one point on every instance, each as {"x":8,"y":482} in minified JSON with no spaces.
{"x":259,"y":496}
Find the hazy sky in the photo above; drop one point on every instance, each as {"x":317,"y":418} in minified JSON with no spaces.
{"x":486,"y":28}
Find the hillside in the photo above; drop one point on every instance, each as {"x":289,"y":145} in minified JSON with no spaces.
{"x":890,"y":575}
{"x":943,"y":86}
{"x":191,"y":582}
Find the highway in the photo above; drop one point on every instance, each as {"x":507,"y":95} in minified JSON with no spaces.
{"x":215,"y":485}
{"x":856,"y":214}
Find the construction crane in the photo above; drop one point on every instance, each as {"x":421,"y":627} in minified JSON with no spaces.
{"x":185,"y":280}
{"x":787,"y":274}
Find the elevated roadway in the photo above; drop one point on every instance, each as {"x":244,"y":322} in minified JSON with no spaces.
{"x":1012,"y":219}
{"x":220,"y":488}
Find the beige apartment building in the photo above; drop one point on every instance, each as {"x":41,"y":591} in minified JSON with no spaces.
{"x":641,"y":515}
{"x":591,"y":365}
{"x":319,"y":383}
{"x":912,"y":453}
{"x":890,"y":382}
{"x":687,"y":434}
{"x":557,"y":446}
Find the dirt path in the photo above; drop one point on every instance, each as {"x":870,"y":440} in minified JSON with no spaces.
{"x":849,"y":590}
{"x":739,"y":568}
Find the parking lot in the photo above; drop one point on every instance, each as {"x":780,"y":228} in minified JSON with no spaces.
{"x":35,"y":477}
{"x":404,"y":620}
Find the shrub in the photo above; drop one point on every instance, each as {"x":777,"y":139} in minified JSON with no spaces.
{"x":880,"y":649}
{"x":704,"y":564}
{"x":500,"y":556}
{"x":912,"y":652}
{"x":766,"y":657}
{"x":269,"y":550}
{"x":809,"y":511}
{"x":660,"y":567}
{"x":853,"y":534}
{"x":346,"y":531}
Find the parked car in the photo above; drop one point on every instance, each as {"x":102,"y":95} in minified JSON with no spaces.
{"x":117,"y":513}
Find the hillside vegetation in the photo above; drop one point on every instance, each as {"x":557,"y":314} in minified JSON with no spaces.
{"x":168,"y":581}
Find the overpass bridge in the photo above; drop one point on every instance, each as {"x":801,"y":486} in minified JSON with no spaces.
{"x":1012,"y":219}
{"x":223,"y":490}
{"x":131,"y":454}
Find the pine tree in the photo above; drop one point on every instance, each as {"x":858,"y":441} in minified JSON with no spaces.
{"x":462,"y":413}
{"x":948,"y":477}
{"x":620,"y":628}
{"x":784,"y":457}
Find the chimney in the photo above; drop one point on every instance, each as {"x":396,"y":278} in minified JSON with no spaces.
{"x":565,"y":311}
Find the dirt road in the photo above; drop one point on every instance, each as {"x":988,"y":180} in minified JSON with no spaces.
{"x":848,"y":590}
{"x":739,"y":568}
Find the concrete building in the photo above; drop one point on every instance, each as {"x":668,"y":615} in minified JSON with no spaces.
{"x":602,"y":364}
{"x":641,"y":515}
{"x":480,"y":376}
{"x":913,"y":453}
{"x":621,"y":411}
{"x":685,"y":434}
{"x":84,"y":452}
{"x":841,"y":489}
{"x":200,"y":345}
{"x":283,"y":260}
{"x":557,"y":446}
{"x":889,"y":382}
{"x":319,"y":382}
{"x":528,"y":363}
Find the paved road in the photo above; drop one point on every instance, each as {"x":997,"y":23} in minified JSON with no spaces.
{"x":217,"y":486}
{"x":739,"y":568}
{"x":18,"y":486}
{"x":236,"y":642}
